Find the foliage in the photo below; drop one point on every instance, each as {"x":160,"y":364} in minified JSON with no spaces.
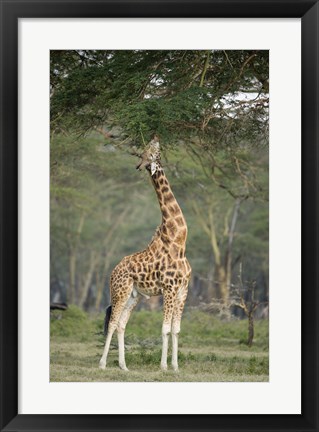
{"x":73,"y":323}
{"x":179,"y":94}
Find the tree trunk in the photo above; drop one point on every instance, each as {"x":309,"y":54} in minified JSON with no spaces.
{"x":202,"y":79}
{"x":72,"y":267}
{"x":229,"y":251}
{"x":88,"y":279}
{"x":250,"y":328}
{"x":221,"y":282}
{"x":72,"y":260}
{"x":101,"y":284}
{"x":108,"y":257}
{"x":153,"y":303}
{"x":223,"y":270}
{"x":211,"y":290}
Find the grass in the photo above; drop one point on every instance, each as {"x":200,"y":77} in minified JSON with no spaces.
{"x":209,"y":349}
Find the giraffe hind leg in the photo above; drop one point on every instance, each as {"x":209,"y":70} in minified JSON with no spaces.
{"x":110,"y":330}
{"x":118,"y":305}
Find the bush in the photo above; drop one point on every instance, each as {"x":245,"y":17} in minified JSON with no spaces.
{"x":73,"y":323}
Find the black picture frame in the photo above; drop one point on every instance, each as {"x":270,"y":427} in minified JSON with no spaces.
{"x":11,"y":11}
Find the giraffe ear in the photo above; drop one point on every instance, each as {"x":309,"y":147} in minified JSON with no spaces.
{"x":153,"y":168}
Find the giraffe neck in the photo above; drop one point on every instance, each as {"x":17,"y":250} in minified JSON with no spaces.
{"x":173,"y":229}
{"x":167,"y":201}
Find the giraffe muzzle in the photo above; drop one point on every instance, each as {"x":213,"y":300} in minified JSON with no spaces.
{"x":142,"y":165}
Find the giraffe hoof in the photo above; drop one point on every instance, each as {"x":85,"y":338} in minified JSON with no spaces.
{"x":164,"y":368}
{"x":124,"y":368}
{"x":175,"y":366}
{"x":102,"y":365}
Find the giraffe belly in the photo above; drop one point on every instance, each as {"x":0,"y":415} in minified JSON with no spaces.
{"x":148,"y":291}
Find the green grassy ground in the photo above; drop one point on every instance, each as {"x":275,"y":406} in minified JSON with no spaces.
{"x":209,"y":349}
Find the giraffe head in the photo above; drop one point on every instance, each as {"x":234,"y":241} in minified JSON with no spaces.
{"x":151,"y":157}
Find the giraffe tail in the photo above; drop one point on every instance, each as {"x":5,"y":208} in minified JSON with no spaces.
{"x":108,"y":311}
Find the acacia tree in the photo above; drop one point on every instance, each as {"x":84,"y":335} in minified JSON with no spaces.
{"x":179,"y":94}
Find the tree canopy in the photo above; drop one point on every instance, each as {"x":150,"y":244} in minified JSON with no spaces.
{"x":219,"y":96}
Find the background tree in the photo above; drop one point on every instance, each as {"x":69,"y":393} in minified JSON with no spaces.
{"x":243,"y":297}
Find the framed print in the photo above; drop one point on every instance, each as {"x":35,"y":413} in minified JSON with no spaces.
{"x":216,"y":105}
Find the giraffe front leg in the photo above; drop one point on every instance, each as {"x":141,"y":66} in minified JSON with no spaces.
{"x":168,"y":302}
{"x":120,"y":339}
{"x":175,"y":332}
{"x":176,"y":323}
{"x":166,"y":329}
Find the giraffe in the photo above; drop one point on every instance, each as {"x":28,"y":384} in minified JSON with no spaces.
{"x":161,"y":269}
